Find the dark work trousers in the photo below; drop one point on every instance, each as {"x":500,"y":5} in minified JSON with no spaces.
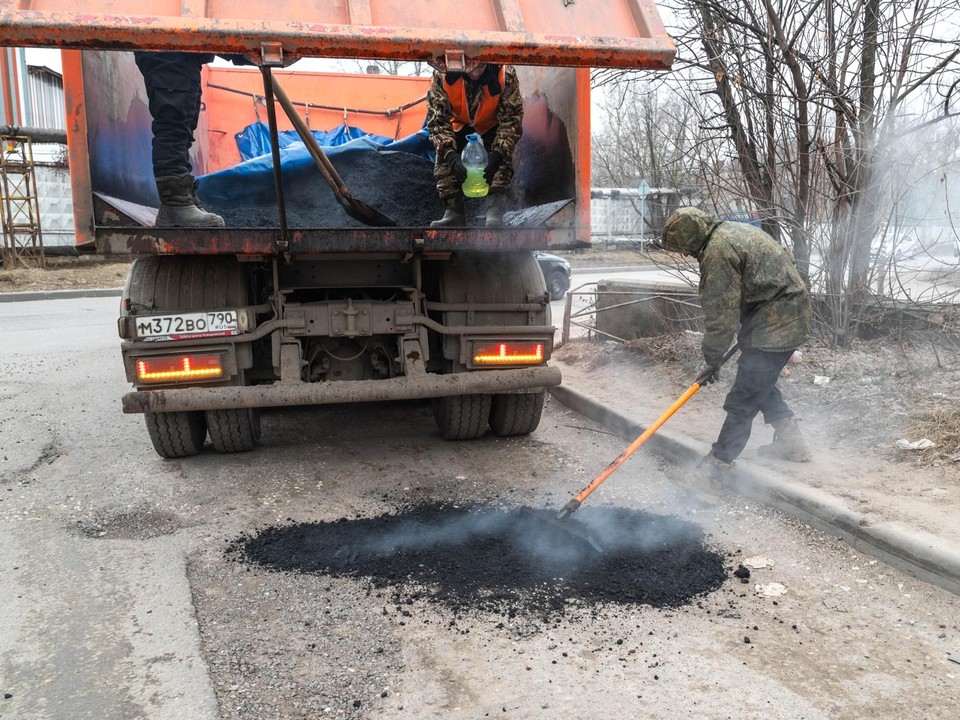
{"x":172,"y":80}
{"x":754,"y":391}
{"x":447,"y":185}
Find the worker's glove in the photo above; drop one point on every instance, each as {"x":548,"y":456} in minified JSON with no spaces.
{"x":456,"y":166}
{"x":708,"y":374}
{"x":494,"y":161}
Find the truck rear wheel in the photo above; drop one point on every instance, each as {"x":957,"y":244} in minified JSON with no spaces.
{"x":176,"y":434}
{"x":179,"y":283}
{"x":516,"y":413}
{"x":462,"y":417}
{"x":508,"y":278}
{"x":234,"y":430}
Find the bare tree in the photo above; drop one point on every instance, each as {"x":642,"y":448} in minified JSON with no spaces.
{"x":647,"y":136}
{"x":409,"y":68}
{"x":806,"y":99}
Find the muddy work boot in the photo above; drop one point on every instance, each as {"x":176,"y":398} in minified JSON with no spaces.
{"x":788,"y":442}
{"x":496,"y":206}
{"x":453,"y":216}
{"x":704,"y":482}
{"x":179,"y":206}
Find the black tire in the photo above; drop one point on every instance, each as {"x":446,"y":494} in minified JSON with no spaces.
{"x":235,"y":430}
{"x":160,"y":283}
{"x":557,"y":284}
{"x":482,"y":278}
{"x":462,"y":417}
{"x":176,"y":434}
{"x":516,"y":413}
{"x":178,"y":283}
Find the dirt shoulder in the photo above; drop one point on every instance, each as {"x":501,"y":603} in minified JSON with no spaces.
{"x":70,"y":273}
{"x":875,"y":394}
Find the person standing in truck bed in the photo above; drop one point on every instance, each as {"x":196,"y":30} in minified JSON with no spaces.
{"x":749,"y":288}
{"x":485,"y":100}
{"x":172,"y":80}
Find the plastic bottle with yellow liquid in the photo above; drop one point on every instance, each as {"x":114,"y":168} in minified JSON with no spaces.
{"x":474,"y":157}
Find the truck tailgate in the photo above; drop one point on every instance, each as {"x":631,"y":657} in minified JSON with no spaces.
{"x":598,"y":33}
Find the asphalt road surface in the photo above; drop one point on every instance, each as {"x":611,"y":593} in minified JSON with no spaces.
{"x":135,"y":587}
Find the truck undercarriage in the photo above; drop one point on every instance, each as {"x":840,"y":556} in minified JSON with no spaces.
{"x":209,"y":340}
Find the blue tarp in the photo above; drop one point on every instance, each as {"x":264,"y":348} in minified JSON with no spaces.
{"x":254,"y":139}
{"x":251,"y":181}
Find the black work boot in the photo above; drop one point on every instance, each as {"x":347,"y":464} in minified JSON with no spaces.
{"x":453,"y":216}
{"x":496,"y":205}
{"x":788,"y":442}
{"x":179,"y":206}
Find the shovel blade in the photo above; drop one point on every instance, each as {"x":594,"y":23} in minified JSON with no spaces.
{"x":359,"y":210}
{"x":567,"y":527}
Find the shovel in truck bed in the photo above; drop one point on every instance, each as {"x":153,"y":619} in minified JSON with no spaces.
{"x":356,"y":209}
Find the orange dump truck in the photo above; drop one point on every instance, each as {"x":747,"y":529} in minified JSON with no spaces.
{"x":217,"y":323}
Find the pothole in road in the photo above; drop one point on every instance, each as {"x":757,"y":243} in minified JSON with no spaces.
{"x":129,"y":524}
{"x":502,"y":560}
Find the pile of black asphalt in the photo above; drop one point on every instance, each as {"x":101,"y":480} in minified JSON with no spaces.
{"x":398,"y":184}
{"x":501,"y":560}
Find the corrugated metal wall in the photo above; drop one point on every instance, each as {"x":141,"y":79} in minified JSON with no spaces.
{"x":45,"y":98}
{"x":32,"y":96}
{"x":12,"y":65}
{"x":46,"y":110}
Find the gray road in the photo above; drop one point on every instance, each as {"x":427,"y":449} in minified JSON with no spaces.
{"x":117,"y":601}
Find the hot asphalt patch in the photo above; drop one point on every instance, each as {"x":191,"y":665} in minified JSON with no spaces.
{"x":502,"y":560}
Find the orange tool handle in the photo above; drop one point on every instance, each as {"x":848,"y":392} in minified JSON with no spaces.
{"x":635,"y":445}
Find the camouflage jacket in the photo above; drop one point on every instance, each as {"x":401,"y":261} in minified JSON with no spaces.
{"x":509,"y":114}
{"x":746,"y":279}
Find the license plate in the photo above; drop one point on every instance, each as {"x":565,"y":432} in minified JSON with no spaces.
{"x":188,"y":325}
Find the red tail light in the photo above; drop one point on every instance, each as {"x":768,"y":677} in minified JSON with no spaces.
{"x":508,"y":353}
{"x":178,"y":368}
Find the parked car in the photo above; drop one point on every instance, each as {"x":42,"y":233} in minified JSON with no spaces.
{"x":556,"y":271}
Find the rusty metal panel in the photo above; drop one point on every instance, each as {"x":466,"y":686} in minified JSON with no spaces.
{"x":598,"y":33}
{"x":252,"y":241}
{"x":409,"y":387}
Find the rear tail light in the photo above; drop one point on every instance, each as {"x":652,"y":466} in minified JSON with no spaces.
{"x":178,"y":368}
{"x":504,"y":353}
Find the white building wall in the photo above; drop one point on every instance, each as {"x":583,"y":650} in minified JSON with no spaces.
{"x":56,"y":205}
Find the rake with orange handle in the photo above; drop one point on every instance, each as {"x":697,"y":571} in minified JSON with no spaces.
{"x":572,"y":506}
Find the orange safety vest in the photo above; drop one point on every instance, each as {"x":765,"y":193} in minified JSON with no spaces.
{"x":486,"y":116}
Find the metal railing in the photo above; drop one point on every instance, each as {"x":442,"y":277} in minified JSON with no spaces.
{"x":586,"y":316}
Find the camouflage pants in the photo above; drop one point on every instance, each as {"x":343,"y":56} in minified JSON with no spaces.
{"x":447,"y":185}
{"x":754,"y":391}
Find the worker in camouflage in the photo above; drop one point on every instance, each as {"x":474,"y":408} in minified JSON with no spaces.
{"x":749,"y":288}
{"x":485,"y":100}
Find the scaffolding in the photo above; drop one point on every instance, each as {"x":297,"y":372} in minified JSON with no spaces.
{"x":19,"y":209}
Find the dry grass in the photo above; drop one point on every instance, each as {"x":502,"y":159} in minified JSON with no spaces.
{"x":939,"y":420}
{"x":676,"y":347}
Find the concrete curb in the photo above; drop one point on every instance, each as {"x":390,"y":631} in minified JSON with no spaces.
{"x":59,"y":294}
{"x":916,"y":552}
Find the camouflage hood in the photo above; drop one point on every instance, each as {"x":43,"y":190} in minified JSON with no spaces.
{"x":687,"y":231}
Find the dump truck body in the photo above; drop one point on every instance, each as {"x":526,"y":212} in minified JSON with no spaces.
{"x":291,"y":303}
